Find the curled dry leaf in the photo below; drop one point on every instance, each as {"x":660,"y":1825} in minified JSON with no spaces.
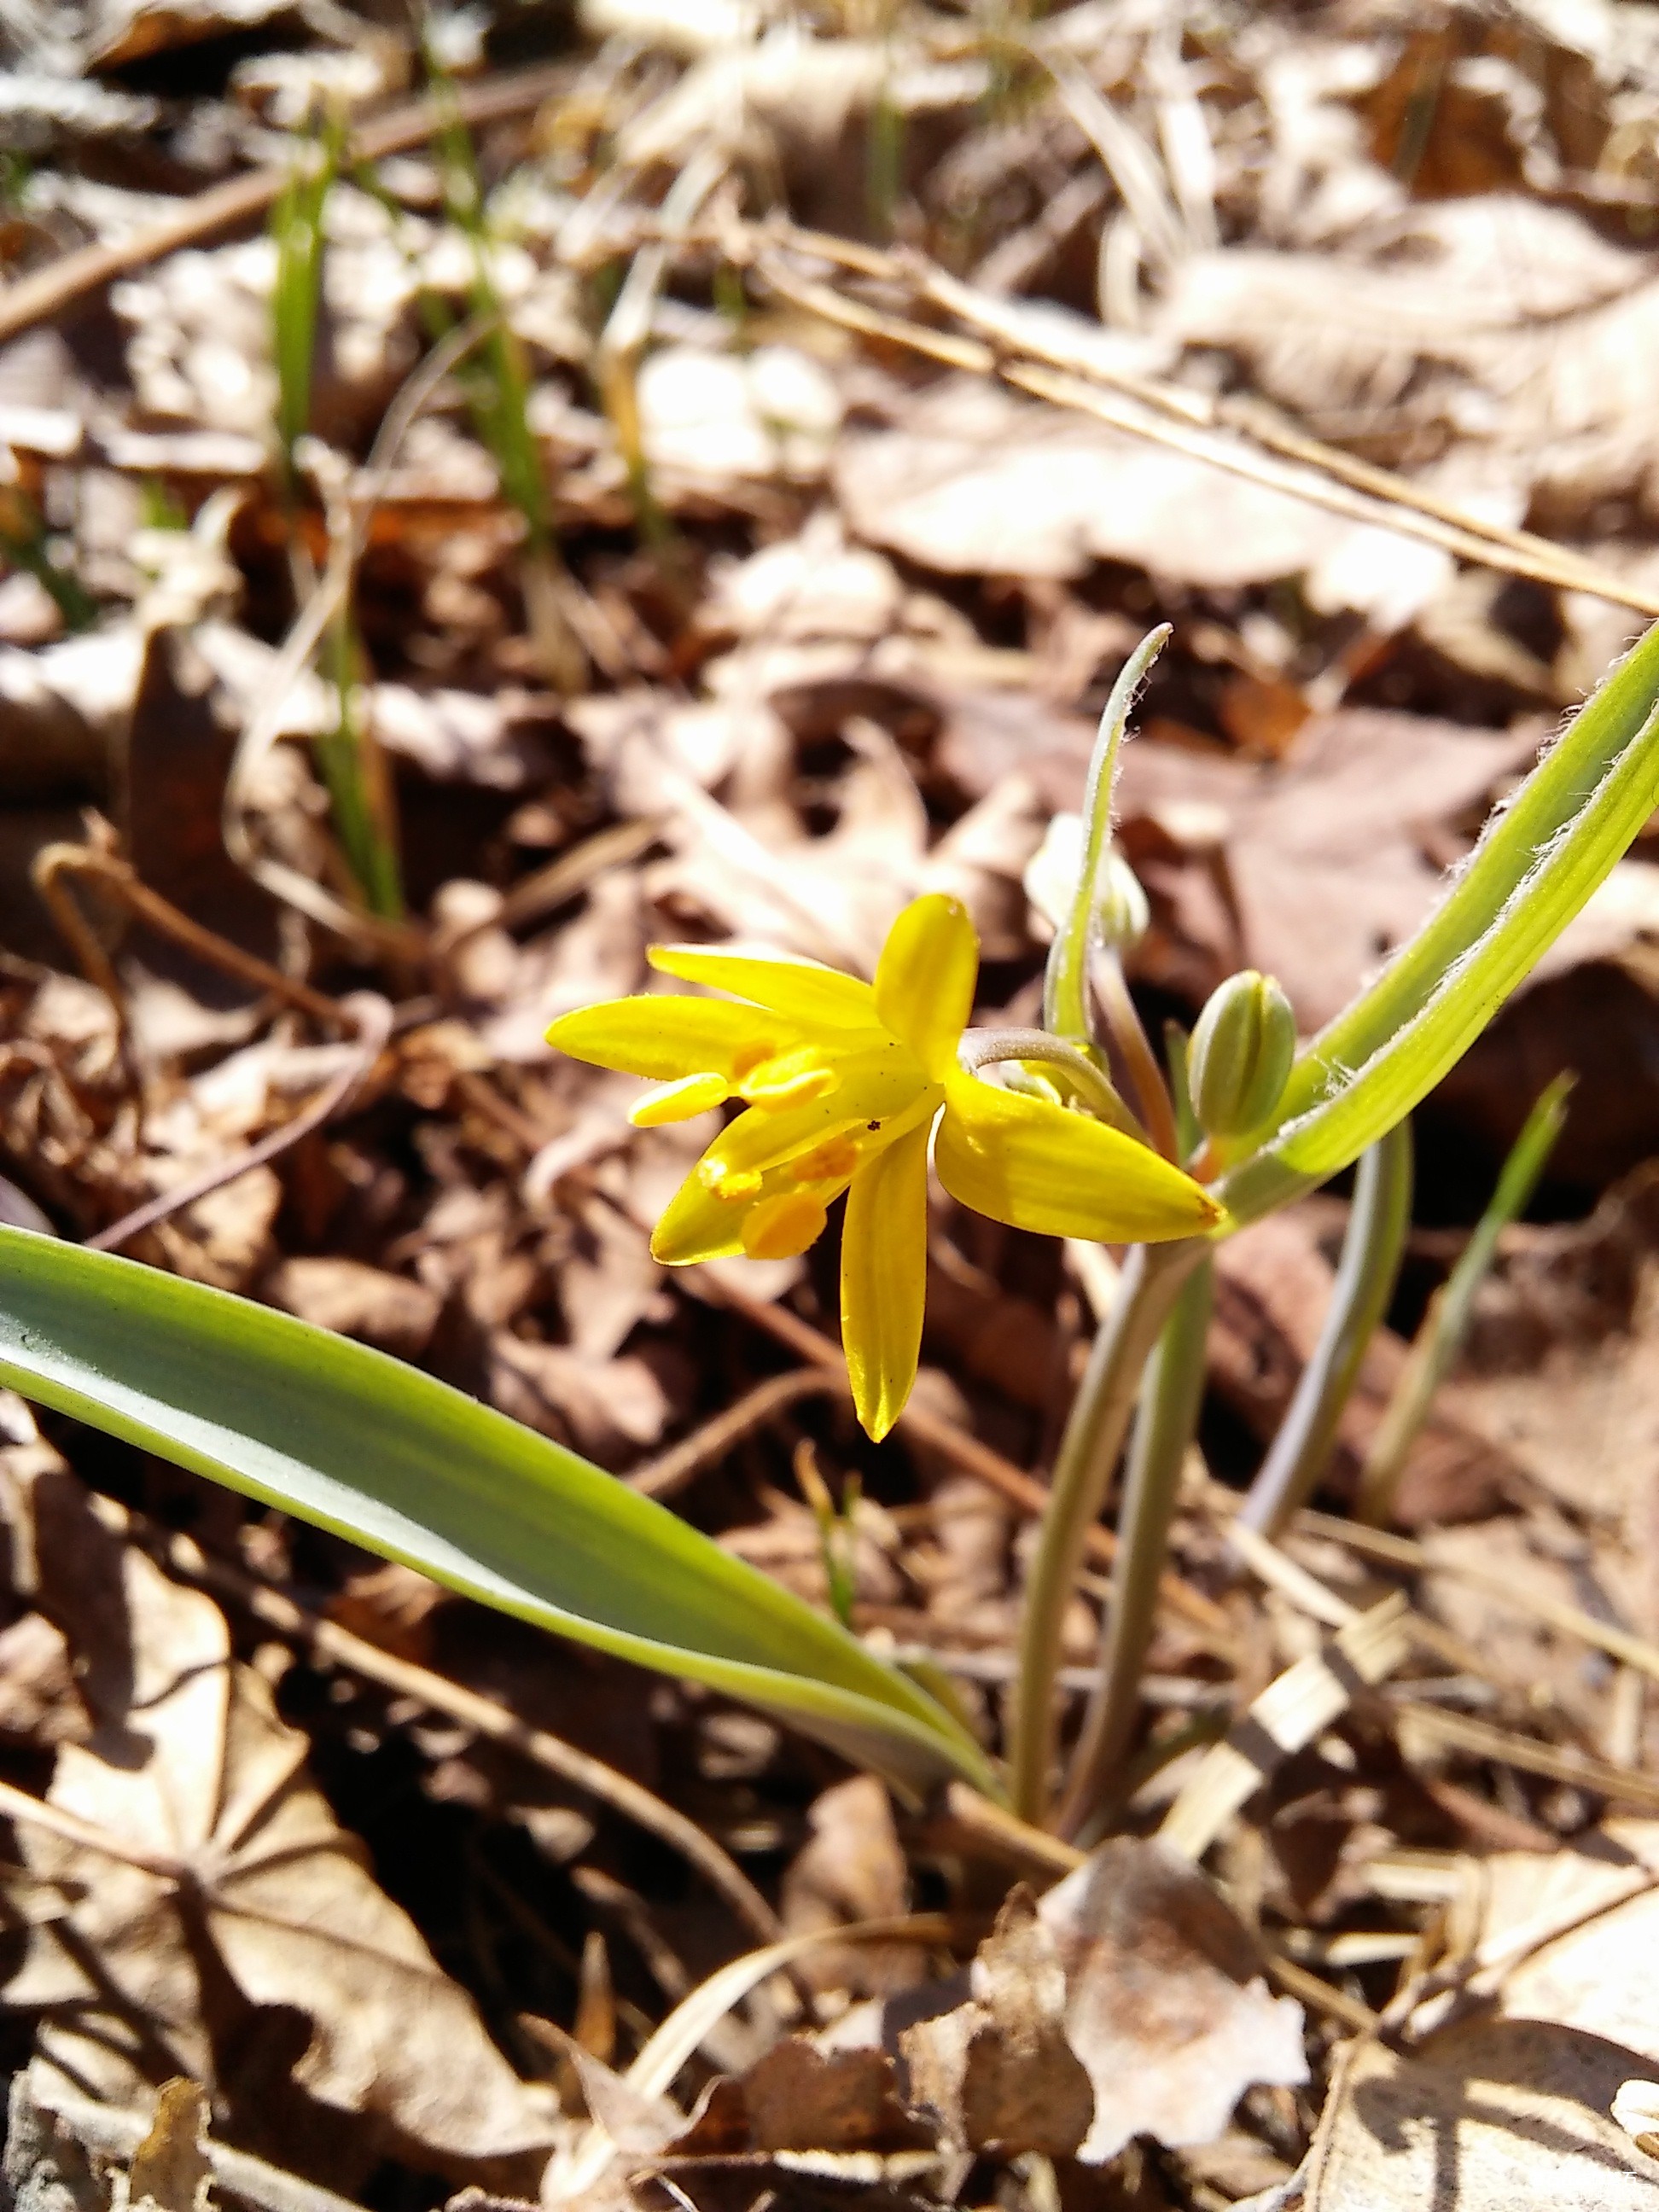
{"x":221,"y":1849}
{"x":1130,"y":2002}
{"x":999,"y":2069}
{"x":1165,"y":2004}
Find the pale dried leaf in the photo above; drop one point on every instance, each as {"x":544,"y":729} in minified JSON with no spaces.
{"x":1166,"y":2002}
{"x":1511,"y":2113}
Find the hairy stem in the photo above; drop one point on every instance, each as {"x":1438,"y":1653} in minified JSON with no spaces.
{"x":983,"y":1048}
{"x":1165,"y":1423}
{"x":1094,"y":1436}
{"x":1377,"y":1221}
{"x":1065,"y":979}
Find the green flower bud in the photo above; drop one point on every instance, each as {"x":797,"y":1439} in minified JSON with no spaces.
{"x":1120,"y":913}
{"x":1241,"y":1055}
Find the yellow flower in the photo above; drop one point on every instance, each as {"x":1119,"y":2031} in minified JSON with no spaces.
{"x":843,"y":1082}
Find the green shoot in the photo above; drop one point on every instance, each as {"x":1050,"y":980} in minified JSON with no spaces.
{"x":26,"y":543}
{"x":1371,"y":1251}
{"x":359,"y":791}
{"x":1445,"y":1325}
{"x":497,"y":386}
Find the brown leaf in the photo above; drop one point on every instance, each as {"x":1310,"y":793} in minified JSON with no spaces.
{"x":1273,"y":1288}
{"x":1165,"y":2004}
{"x":851,"y":1867}
{"x":1511,"y":2113}
{"x":190,"y":1770}
{"x":1000,"y":2069}
{"x":388,"y":1310}
{"x":170,"y":2168}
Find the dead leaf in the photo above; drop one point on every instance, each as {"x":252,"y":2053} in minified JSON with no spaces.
{"x":1274,"y":1286}
{"x":852,"y":1867}
{"x":1166,"y":2002}
{"x":1512,"y":2112}
{"x":384,"y":1310}
{"x":190,"y":1767}
{"x":1001,"y":2068}
{"x":170,"y":2168}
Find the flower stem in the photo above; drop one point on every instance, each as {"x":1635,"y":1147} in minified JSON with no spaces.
{"x":1377,"y":1221}
{"x":1165,"y":1423}
{"x":1146,"y":1082}
{"x":983,"y":1048}
{"x":1094,"y":1436}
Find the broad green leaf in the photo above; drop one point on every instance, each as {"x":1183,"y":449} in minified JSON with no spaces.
{"x":1537,"y":862}
{"x":357,"y":1443}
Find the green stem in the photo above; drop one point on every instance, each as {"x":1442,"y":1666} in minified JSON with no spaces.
{"x":981,"y":1047}
{"x":1377,"y":1221}
{"x":1065,"y":979}
{"x":1446,"y":1320}
{"x":1165,"y":1424}
{"x":1123,"y":1024}
{"x":1152,"y":1278}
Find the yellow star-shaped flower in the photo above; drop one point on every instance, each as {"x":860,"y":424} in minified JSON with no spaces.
{"x":843,"y":1083}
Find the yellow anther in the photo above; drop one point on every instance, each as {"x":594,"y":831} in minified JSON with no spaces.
{"x":782,"y":1225}
{"x":679,"y":1101}
{"x":789,"y":1078}
{"x":747,"y":1058}
{"x":833,"y":1161}
{"x":722,"y":1181}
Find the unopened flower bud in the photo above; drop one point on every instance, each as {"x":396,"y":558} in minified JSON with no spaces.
{"x":1121,"y":915}
{"x":1241,"y":1055}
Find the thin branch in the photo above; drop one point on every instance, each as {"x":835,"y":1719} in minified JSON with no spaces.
{"x":375,"y":1028}
{"x":49,"y":294}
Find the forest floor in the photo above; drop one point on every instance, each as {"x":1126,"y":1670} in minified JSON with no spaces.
{"x":878,"y":376}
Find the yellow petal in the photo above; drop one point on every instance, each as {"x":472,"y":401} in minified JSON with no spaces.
{"x":679,"y":1101}
{"x":883,"y":1275}
{"x":664,"y":1038}
{"x":925,"y":979}
{"x":695,"y":1224}
{"x":1036,"y":1166}
{"x":800,"y":990}
{"x":779,"y":1227}
{"x":788,"y":1079}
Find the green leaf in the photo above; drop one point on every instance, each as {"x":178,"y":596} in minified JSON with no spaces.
{"x":357,"y":1443}
{"x":1537,"y":862}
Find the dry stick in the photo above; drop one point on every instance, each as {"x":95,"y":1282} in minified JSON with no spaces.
{"x":1221,"y":448}
{"x":49,"y":293}
{"x":963,"y":1450}
{"x":55,"y":861}
{"x":1425,"y":1729}
{"x":375,"y":1029}
{"x":338,"y":1647}
{"x":672,"y":1469}
{"x":1007,"y":336}
{"x":1619,"y":1643}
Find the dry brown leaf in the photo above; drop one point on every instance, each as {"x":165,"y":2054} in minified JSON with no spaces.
{"x":170,"y":2168}
{"x":1165,"y":2004}
{"x":1333,"y":855}
{"x":1273,"y":1288}
{"x":1504,"y":2113}
{"x":1000,"y":2069}
{"x":191,"y":1765}
{"x":381,"y":1308}
{"x":852,"y":1867}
